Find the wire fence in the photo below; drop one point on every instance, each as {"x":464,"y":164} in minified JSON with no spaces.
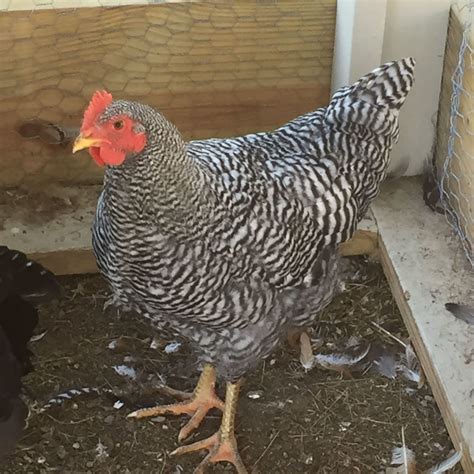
{"x":214,"y":69}
{"x":457,"y":174}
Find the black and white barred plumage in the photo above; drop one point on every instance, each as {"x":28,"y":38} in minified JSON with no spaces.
{"x":232,"y":241}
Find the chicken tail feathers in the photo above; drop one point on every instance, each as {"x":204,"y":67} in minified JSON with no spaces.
{"x":388,"y":85}
{"x":373,"y":102}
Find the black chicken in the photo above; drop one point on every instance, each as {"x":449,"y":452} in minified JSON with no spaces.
{"x":23,"y":285}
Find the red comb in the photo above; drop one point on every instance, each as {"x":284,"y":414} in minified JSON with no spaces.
{"x":100,"y":100}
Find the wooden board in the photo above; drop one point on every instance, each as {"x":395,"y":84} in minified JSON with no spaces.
{"x":53,"y":227}
{"x":213,"y":68}
{"x":426,"y":268}
{"x":459,"y":171}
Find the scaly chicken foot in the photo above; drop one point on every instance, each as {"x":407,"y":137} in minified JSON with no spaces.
{"x":197,"y":405}
{"x":222,"y":446}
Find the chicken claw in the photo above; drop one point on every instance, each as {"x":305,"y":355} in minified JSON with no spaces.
{"x":222,"y":446}
{"x":196,"y":405}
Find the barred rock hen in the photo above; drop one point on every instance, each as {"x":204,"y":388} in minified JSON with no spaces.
{"x":23,"y":284}
{"x":231,"y":242}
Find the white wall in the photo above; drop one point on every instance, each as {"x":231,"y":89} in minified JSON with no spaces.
{"x":360,"y":26}
{"x":371,"y":32}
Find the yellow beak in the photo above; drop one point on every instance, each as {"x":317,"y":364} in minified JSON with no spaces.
{"x":82,"y":142}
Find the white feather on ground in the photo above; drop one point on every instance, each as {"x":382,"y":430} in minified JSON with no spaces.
{"x":447,"y":464}
{"x":125,"y":371}
{"x":410,"y":367}
{"x":403,"y":459}
{"x":348,"y":358}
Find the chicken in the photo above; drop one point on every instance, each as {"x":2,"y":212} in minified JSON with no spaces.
{"x":23,"y":284}
{"x":233,"y":242}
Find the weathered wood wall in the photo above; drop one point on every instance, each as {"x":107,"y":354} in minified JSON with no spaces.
{"x":459,"y":175}
{"x":214,"y":69}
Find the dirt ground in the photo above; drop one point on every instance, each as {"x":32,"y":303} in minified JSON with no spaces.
{"x":289,"y":420}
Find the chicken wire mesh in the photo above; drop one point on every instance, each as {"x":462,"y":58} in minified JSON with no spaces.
{"x":213,"y":68}
{"x":457,"y":174}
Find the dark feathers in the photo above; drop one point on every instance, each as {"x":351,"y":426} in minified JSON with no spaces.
{"x":23,"y":284}
{"x":461,"y":311}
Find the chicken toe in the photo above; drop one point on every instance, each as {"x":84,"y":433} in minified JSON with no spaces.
{"x":196,"y":405}
{"x":222,"y":446}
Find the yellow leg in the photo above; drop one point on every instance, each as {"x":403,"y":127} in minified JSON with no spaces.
{"x":222,"y":446}
{"x":197,"y":405}
{"x":293,"y":337}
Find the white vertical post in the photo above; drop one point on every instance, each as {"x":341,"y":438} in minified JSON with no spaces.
{"x":371,"y":32}
{"x":358,"y":46}
{"x":418,"y":28}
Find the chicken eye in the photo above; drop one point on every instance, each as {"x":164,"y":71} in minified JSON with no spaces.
{"x":118,"y":124}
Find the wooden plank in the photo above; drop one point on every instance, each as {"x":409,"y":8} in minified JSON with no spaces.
{"x":213,"y":68}
{"x":459,"y":172}
{"x":426,"y":269}
{"x":81,"y":261}
{"x":53,"y":227}
{"x":365,"y":239}
{"x":67,"y":262}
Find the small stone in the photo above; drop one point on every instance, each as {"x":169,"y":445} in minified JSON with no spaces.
{"x":109,"y":419}
{"x":255,"y":395}
{"x":172,"y":347}
{"x":156,"y":343}
{"x":76,"y":445}
{"x":158,"y":419}
{"x":344,"y":425}
{"x":61,"y":452}
{"x":118,"y":404}
{"x":165,"y":427}
{"x":89,"y":464}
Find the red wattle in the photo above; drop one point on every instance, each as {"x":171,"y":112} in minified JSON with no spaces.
{"x":111,"y":157}
{"x":95,"y":153}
